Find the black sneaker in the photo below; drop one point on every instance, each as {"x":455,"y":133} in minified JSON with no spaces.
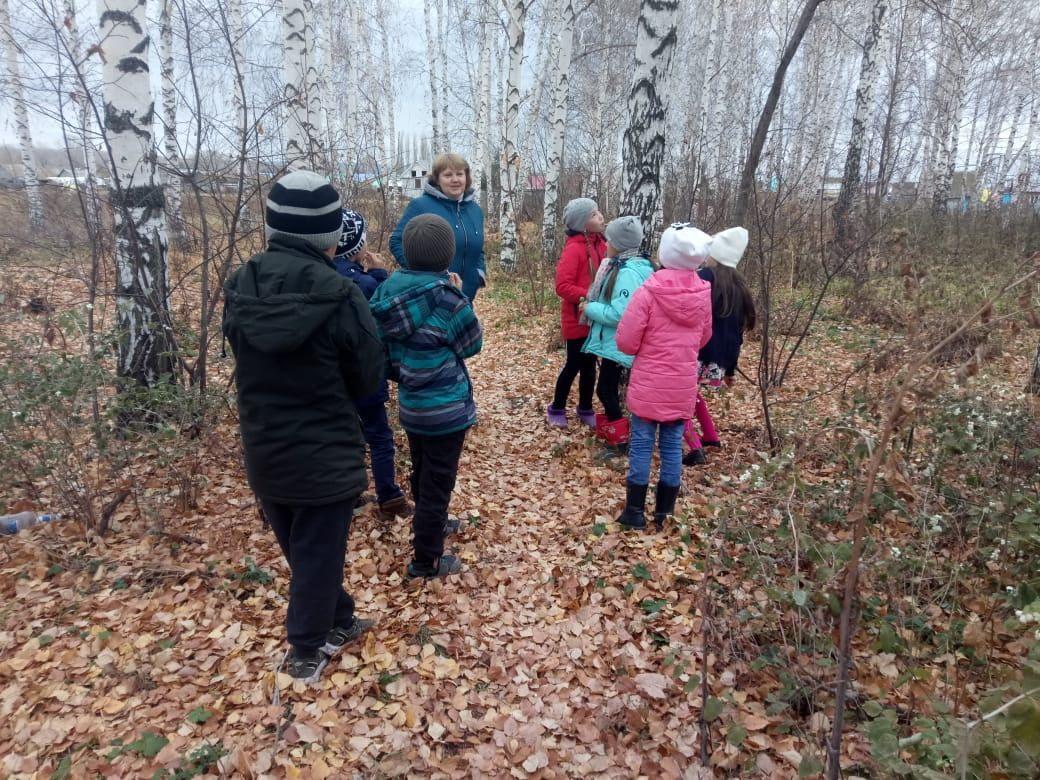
{"x":340,"y":637}
{"x":452,"y":526}
{"x":711,"y":443}
{"x":442,"y":567}
{"x":695,"y":458}
{"x":305,"y":667}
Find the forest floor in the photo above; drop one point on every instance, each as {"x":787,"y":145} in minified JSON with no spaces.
{"x":566,"y":648}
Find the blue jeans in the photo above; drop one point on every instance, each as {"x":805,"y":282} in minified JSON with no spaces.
{"x":380,"y":440}
{"x":641,"y":451}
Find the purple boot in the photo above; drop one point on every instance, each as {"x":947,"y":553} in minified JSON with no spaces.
{"x":587,"y":417}
{"x":557,"y":418}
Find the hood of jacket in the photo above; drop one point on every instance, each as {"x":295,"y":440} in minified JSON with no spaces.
{"x":279,"y":298}
{"x":682,"y":295}
{"x":405,"y":301}
{"x":432,"y":191}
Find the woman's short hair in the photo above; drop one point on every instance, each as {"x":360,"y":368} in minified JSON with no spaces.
{"x":455,"y":162}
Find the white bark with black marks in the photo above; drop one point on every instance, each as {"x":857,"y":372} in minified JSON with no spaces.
{"x":643,"y":146}
{"x":171,"y":150}
{"x":558,"y":127}
{"x":482,"y":175}
{"x":510,"y":163}
{"x":389,"y":93}
{"x":950,"y":102}
{"x":1034,"y":378}
{"x":21,"y":117}
{"x":85,"y":116}
{"x":444,"y":144}
{"x":300,"y":93}
{"x":146,"y":344}
{"x":870,"y":68}
{"x":431,"y":61}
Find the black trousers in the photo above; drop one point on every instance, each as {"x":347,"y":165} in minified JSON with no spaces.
{"x":314,"y":542}
{"x":608,"y":388}
{"x":578,"y":362}
{"x":435,"y":465}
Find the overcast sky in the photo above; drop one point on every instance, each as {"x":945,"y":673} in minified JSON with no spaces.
{"x":412,"y":112}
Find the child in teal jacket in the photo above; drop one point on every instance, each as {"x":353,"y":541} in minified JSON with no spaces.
{"x":429,"y":329}
{"x":622,"y":273}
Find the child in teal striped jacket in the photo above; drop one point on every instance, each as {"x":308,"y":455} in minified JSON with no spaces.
{"x":429,"y":329}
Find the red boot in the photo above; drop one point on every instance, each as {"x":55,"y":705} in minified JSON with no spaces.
{"x":616,"y":433}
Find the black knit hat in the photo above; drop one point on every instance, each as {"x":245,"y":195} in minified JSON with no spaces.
{"x":429,"y":243}
{"x":304,"y":205}
{"x":354,"y":235}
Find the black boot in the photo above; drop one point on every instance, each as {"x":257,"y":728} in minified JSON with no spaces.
{"x":634,"y":515}
{"x":665,"y":506}
{"x":694,"y":458}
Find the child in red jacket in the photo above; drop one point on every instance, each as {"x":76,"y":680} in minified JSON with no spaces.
{"x":581,"y":256}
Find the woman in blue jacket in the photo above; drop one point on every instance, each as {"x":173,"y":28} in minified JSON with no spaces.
{"x":448,"y":192}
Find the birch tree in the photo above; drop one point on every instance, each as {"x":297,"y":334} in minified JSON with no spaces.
{"x":1034,"y":377}
{"x":870,"y":67}
{"x":74,"y":49}
{"x":169,"y":123}
{"x":146,"y":345}
{"x":302,"y":102}
{"x":510,"y":163}
{"x":643,"y":146}
{"x":21,"y":117}
{"x":483,"y":177}
{"x":443,"y":144}
{"x":389,"y":93}
{"x":747,"y":176}
{"x":950,"y":97}
{"x":558,"y":127}
{"x":431,"y":41}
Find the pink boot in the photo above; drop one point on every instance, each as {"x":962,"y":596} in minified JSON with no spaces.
{"x":693,"y":441}
{"x":711,"y":436}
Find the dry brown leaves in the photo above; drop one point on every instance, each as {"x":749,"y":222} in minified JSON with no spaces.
{"x":537,"y":661}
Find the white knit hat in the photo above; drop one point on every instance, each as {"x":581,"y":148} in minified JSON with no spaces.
{"x":727,"y":246}
{"x":684,"y":247}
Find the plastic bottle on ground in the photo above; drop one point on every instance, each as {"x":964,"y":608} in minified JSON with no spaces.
{"x":12,"y":524}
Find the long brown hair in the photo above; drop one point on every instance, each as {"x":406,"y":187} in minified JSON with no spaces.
{"x":730,"y":293}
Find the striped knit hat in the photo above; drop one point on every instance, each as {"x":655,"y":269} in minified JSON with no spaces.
{"x":304,"y":205}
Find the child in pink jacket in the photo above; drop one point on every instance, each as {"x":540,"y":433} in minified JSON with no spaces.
{"x":664,"y":327}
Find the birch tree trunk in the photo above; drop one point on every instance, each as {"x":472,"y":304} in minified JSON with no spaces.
{"x":431,"y":47}
{"x":1009,"y":150}
{"x":236,"y":32}
{"x":82,"y":100}
{"x":21,"y":118}
{"x":444,"y":144}
{"x":643,"y":145}
{"x":747,"y":176}
{"x":483,"y":177}
{"x":951,"y":96}
{"x":1034,"y":378}
{"x":547,"y":52}
{"x":303,"y":105}
{"x":510,"y":164}
{"x":1028,"y":153}
{"x":174,"y":216}
{"x":558,"y":129}
{"x":328,"y":69}
{"x":389,"y":93}
{"x":870,"y":67}
{"x":146,"y":344}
